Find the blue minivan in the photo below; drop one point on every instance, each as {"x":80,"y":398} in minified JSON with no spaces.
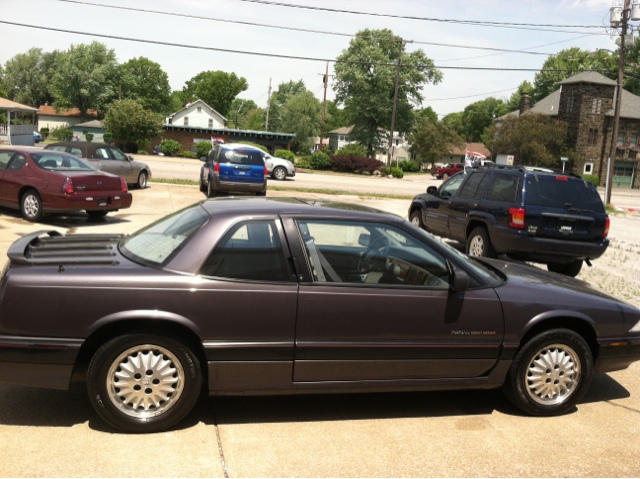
{"x":233,"y":168}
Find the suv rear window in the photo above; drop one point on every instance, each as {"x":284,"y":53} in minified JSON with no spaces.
{"x":241,"y":157}
{"x":562,"y":192}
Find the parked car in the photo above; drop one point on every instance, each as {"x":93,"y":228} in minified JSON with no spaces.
{"x":233,"y":168}
{"x":365,"y":302}
{"x":37,"y":137}
{"x":530,"y":214}
{"x":44,"y":181}
{"x":107,"y":158}
{"x":279,"y":168}
{"x":446,"y":171}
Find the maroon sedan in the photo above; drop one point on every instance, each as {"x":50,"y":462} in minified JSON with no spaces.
{"x":44,"y":181}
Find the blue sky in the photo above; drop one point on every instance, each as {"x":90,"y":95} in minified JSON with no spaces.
{"x":182,"y":64}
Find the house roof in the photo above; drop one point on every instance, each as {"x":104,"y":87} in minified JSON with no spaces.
{"x":476,"y":147}
{"x":193,"y":103}
{"x":588,"y":77}
{"x":49,"y":110}
{"x":6,"y":104}
{"x":548,"y":105}
{"x":345,"y":130}
{"x":629,"y":107}
{"x":91,"y":124}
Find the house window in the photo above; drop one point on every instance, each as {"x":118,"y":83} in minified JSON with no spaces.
{"x":341,"y":137}
{"x":186,"y":121}
{"x":634,"y":139}
{"x":170,"y":121}
{"x":570,"y":104}
{"x":620,"y":139}
{"x":596,"y":106}
{"x":593,"y":137}
{"x":588,"y":168}
{"x":210,"y":123}
{"x":346,"y":138}
{"x":199,"y":109}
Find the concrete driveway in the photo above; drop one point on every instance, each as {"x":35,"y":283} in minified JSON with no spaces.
{"x":461,"y":433}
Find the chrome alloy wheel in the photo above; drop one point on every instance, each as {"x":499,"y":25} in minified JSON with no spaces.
{"x":553,"y":374}
{"x":145,"y":381}
{"x":476,"y":247}
{"x":280,"y":173}
{"x":415,"y":221}
{"x":142,"y":180}
{"x":31,"y":205}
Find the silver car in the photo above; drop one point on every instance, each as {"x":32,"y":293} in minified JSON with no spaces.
{"x":278,"y":168}
{"x":107,"y":158}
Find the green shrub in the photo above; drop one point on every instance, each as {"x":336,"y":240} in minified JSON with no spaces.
{"x":592,"y":179}
{"x":44,"y":132}
{"x":388,"y":170}
{"x":107,"y":138}
{"x":187,"y":154}
{"x":169,"y":147}
{"x":409,"y":166}
{"x":320,"y":161}
{"x":263,"y":148}
{"x":353,"y":149}
{"x":61,"y":134}
{"x":202,"y":148}
{"x":327,"y":149}
{"x":142,"y":152}
{"x":304,"y":163}
{"x":89,"y":136}
{"x":397,"y":172}
{"x":286,"y":154}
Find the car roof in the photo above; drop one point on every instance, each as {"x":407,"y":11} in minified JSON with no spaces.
{"x":85,"y":144}
{"x":240,"y":146}
{"x":248,"y":206}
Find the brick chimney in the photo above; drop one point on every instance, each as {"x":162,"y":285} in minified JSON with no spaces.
{"x":525,"y":103}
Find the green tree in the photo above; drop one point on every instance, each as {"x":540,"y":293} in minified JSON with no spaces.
{"x":367,"y":90}
{"x":84,"y":78}
{"x":479,"y":116}
{"x":255,"y":120}
{"x":335,"y":117}
{"x":456,"y":121}
{"x":177,"y":101}
{"x":534,"y":139}
{"x":146,"y":82}
{"x":3,"y":93}
{"x":431,"y":140}
{"x":302,"y":115}
{"x":28,"y":75}
{"x":514,"y":101}
{"x":278,"y":98}
{"x":217,"y":89}
{"x":632,"y":60}
{"x":239,"y":112}
{"x":129,"y":122}
{"x":426,"y":113}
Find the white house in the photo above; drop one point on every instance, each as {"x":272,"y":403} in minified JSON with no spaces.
{"x":339,"y":138}
{"x":197,"y":114}
{"x":48,"y":117}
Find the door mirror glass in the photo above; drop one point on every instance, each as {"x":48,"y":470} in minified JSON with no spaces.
{"x":459,"y":280}
{"x":432,"y":190}
{"x":130,"y":158}
{"x":363,"y":239}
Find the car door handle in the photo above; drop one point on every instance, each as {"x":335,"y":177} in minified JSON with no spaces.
{"x":101,"y":164}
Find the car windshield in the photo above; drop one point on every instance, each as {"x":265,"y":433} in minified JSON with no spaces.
{"x":59,"y":162}
{"x":562,"y":192}
{"x":241,"y":157}
{"x":157,"y":244}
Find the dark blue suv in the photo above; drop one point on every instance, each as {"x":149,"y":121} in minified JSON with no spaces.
{"x":529,"y":214}
{"x":233,"y":168}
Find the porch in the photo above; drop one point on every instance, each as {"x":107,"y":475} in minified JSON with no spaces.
{"x":17,"y":127}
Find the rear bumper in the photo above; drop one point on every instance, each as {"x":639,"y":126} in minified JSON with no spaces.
{"x":93,"y":201}
{"x":239,"y":186}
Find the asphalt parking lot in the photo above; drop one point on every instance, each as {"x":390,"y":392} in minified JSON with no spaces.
{"x":459,"y":433}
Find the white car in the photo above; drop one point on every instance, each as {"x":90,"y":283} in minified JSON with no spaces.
{"x":278,"y":168}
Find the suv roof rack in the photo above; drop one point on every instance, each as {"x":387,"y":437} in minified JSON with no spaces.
{"x":534,"y":169}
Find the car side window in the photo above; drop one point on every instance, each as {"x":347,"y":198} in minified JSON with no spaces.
{"x":117,"y":154}
{"x":250,"y":251}
{"x":482,"y":187}
{"x":102,"y":153}
{"x":5,"y":157}
{"x":370,"y":254}
{"x":503,"y":188}
{"x":76,"y":152}
{"x":17,"y":162}
{"x":451,"y":186}
{"x":471,"y":185}
{"x":58,"y":148}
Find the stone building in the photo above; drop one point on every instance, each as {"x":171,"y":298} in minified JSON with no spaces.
{"x":586,"y":102}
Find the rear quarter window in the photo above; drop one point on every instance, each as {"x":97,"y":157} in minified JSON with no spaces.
{"x":503,"y":188}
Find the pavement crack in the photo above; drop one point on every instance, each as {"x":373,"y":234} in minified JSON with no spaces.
{"x":220,"y":451}
{"x":623,"y":407}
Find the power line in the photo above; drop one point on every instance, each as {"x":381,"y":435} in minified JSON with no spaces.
{"x":469,"y":96}
{"x":519,"y":26}
{"x":289,"y":57}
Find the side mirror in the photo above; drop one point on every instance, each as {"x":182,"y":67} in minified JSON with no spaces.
{"x":364,"y":239}
{"x":459,"y":278}
{"x":130,"y":158}
{"x":432,"y":190}
{"x":203,"y":158}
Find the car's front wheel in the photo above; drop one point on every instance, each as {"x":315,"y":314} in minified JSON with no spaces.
{"x":479,"y":244}
{"x":570,"y":269}
{"x":31,"y":206}
{"x":279,"y":173}
{"x":143,"y":382}
{"x":550,"y":374}
{"x":416,"y":219}
{"x":142,"y":180}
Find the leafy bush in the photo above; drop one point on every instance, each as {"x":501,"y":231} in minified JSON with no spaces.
{"x":61,"y":133}
{"x":127,"y":146}
{"x":43,"y":131}
{"x":187,"y":154}
{"x":202,"y":148}
{"x":89,"y":136}
{"x":142,"y":152}
{"x":409,"y":166}
{"x":285,"y":154}
{"x":592,"y":179}
{"x":320,"y":161}
{"x":304,"y":162}
{"x":397,"y":172}
{"x":355,"y":163}
{"x":169,"y":147}
{"x":107,"y":138}
{"x":263,"y":148}
{"x":353,"y":149}
{"x":327,"y":149}
{"x":388,"y":170}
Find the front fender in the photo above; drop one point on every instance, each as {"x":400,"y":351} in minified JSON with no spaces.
{"x":559,"y":314}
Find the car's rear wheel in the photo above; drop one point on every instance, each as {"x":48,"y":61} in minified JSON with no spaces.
{"x":279,"y":173}
{"x":31,"y":206}
{"x":445,"y":177}
{"x":261,"y":193}
{"x":142,"y":180}
{"x":211,"y":191}
{"x":479,"y":244}
{"x":143,"y":382}
{"x":203,"y":187}
{"x":550,"y":374}
{"x":570,"y":269}
{"x":416,"y":219}
{"x":97,"y":214}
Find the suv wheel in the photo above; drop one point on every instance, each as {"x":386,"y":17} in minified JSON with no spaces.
{"x":211,"y":191}
{"x":479,"y":244}
{"x":31,"y":206}
{"x":416,"y":219}
{"x":571,"y":269}
{"x":143,"y":382}
{"x":550,"y":374}
{"x":279,"y":173}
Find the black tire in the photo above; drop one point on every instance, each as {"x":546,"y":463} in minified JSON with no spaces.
{"x":516,"y":387}
{"x":279,"y":173}
{"x":203,"y":187}
{"x":211,"y":191}
{"x":261,"y":193}
{"x":97,"y":214}
{"x":114,"y":411}
{"x":142,"y":180}
{"x":479,"y":244}
{"x":416,"y":219}
{"x":571,"y":269}
{"x":31,"y":206}
{"x":445,"y":177}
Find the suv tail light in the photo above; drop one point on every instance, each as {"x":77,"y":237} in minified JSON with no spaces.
{"x":67,"y":187}
{"x":216,"y":168}
{"x":606,"y":229}
{"x":266,"y":172}
{"x":123,"y":184}
{"x":516,"y":218}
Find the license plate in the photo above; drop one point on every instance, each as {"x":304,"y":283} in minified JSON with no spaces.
{"x":566,"y":227}
{"x":104,"y":203}
{"x":241,"y":172}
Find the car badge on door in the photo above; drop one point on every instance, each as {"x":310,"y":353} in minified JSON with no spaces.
{"x":99,"y":182}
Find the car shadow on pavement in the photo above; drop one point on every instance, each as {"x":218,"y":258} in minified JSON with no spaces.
{"x":61,"y":220}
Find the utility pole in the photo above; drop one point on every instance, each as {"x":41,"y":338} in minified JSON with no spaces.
{"x":266,"y":126}
{"x":324,"y":106}
{"x":395,"y":101}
